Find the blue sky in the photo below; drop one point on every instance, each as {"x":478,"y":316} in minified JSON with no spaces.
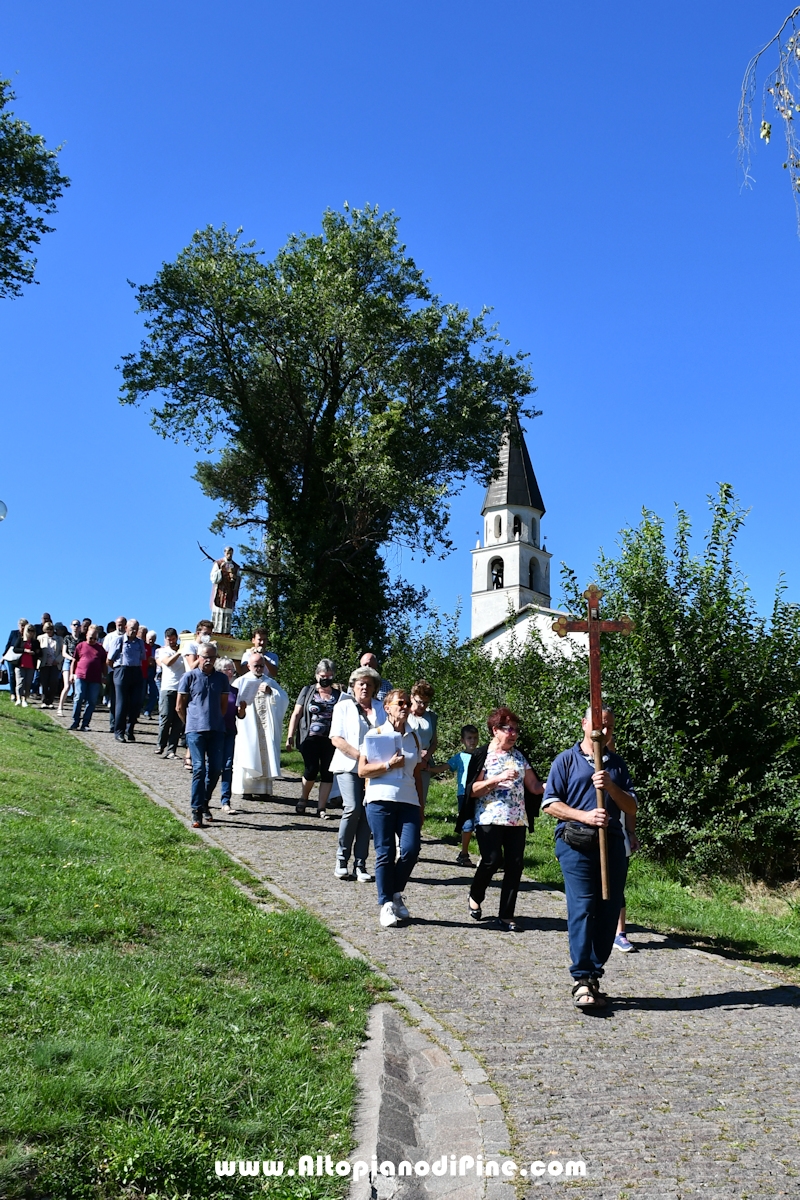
{"x":575,"y":169}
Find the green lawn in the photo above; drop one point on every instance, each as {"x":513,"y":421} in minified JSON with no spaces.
{"x":730,"y":917}
{"x":153,"y":1018}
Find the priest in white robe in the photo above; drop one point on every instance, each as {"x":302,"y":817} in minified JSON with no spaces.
{"x":259,"y":728}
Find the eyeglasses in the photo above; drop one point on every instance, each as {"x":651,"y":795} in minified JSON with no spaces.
{"x":509,"y":728}
{"x":401,"y":704}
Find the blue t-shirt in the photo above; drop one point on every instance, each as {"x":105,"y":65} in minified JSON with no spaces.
{"x":203,"y":713}
{"x":460,"y":764}
{"x":570,"y":781}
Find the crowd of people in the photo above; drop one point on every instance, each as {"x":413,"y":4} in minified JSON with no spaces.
{"x":368,"y":743}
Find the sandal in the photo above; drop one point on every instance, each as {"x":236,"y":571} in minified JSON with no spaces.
{"x":585,"y":995}
{"x":475,"y":913}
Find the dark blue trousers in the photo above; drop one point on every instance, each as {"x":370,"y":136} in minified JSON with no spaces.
{"x":591,"y":921}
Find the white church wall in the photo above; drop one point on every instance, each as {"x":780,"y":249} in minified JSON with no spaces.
{"x":500,"y":641}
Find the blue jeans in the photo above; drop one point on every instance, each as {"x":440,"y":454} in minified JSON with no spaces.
{"x":354,"y":826}
{"x":206,"y":751}
{"x":150,"y":697}
{"x":228,"y":747}
{"x":591,"y":921}
{"x":85,"y":693}
{"x":388,"y":821}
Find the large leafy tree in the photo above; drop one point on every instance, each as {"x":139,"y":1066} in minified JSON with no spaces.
{"x":30,"y":184}
{"x":341,"y":400}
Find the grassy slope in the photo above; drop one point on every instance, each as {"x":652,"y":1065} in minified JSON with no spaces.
{"x":717,"y":914}
{"x":153,"y":1018}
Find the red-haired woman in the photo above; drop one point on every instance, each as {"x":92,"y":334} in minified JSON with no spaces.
{"x":498,"y":778}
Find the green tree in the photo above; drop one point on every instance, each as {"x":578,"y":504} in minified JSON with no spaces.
{"x":342,"y":400}
{"x":30,"y":184}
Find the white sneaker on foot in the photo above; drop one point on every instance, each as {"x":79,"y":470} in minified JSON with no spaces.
{"x":363,"y":875}
{"x":388,"y":917}
{"x":24,"y":703}
{"x":399,"y":906}
{"x":342,"y":871}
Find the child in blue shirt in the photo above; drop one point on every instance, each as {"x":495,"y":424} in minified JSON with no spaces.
{"x":459,"y":763}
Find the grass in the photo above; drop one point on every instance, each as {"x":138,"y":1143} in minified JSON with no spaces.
{"x":730,"y":917}
{"x":154,"y":1020}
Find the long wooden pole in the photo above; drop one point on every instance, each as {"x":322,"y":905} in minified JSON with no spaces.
{"x":598,"y":740}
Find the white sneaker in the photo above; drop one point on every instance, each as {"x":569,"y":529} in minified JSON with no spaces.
{"x":388,"y":916}
{"x":363,"y":875}
{"x":399,"y":906}
{"x":24,"y":703}
{"x":342,"y":871}
{"x":227,"y":811}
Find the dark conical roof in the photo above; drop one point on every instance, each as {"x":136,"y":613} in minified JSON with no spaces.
{"x":515,"y":483}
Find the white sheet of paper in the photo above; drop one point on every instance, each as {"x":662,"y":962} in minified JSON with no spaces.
{"x":380,"y":747}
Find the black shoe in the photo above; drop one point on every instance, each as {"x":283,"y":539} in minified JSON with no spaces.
{"x":119,"y":737}
{"x":475,"y":913}
{"x":74,"y":725}
{"x":509,"y":926}
{"x":130,"y":737}
{"x":159,"y":750}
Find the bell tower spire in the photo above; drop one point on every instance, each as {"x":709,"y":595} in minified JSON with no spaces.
{"x":511,"y":569}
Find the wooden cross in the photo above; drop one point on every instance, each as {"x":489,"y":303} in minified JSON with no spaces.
{"x":594,"y":626}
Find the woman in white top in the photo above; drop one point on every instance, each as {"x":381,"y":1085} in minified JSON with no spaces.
{"x":394,"y":803}
{"x":353,"y":717}
{"x":423,"y":722}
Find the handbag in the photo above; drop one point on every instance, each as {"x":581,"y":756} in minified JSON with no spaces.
{"x":580,"y":836}
{"x":12,"y":656}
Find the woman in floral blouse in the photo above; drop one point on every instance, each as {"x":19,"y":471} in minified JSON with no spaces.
{"x":498,"y":779}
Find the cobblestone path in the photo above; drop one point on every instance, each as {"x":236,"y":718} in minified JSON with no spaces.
{"x":689,"y":1088}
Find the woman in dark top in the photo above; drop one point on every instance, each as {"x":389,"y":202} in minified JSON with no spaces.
{"x":228,"y":666}
{"x":27,"y":646}
{"x":313,"y":712}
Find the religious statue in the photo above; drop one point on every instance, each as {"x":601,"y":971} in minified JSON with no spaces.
{"x":226,"y":576}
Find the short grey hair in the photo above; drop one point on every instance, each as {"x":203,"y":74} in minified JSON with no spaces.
{"x":325,"y":666}
{"x":365,"y":673}
{"x":224,"y":664}
{"x":209,"y":648}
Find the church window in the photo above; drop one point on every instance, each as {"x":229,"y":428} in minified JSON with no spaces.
{"x":533,"y":575}
{"x":498,"y":526}
{"x":517,"y":527}
{"x":535,"y":531}
{"x":496,"y":574}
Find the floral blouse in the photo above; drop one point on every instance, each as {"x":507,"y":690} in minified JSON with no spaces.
{"x":503,"y":805}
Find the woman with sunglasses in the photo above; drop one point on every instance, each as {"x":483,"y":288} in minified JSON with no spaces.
{"x":390,"y":762}
{"x":498,"y":779}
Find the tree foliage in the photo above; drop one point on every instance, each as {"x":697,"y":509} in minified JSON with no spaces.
{"x":30,"y":185}
{"x":781,"y":92}
{"x":344,"y":402}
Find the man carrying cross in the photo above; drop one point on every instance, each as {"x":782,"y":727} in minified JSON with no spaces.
{"x":571,"y":797}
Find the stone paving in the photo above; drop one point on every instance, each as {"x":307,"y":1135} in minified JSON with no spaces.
{"x":688,"y":1088}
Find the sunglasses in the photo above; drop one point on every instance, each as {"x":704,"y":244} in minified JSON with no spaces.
{"x":509,"y":728}
{"x":401,"y":704}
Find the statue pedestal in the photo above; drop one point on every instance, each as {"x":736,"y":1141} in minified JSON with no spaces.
{"x":227,"y":646}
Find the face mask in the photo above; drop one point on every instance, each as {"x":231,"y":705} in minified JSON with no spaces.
{"x":325,"y":680}
{"x":204,"y":638}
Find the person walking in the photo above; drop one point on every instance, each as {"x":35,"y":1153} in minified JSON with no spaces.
{"x":390,"y":763}
{"x":88,"y":664}
{"x":202,"y":703}
{"x":109,"y":641}
{"x":498,"y":778}
{"x":126,"y":657}
{"x":28,"y":650}
{"x":50,"y":660}
{"x":353,"y":717}
{"x":228,"y":668}
{"x":313,"y":713}
{"x":70,"y":642}
{"x":170,"y":661}
{"x":571,"y":797}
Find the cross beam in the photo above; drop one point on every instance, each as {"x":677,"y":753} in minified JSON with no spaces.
{"x":594,"y":626}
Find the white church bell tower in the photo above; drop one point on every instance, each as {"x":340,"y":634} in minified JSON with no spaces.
{"x":510,"y":570}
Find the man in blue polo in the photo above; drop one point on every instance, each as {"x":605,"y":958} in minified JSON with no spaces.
{"x":201,"y":704}
{"x":570,"y":797}
{"x":125,"y":657}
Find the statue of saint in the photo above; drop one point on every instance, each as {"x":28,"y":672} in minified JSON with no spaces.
{"x":226,"y":576}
